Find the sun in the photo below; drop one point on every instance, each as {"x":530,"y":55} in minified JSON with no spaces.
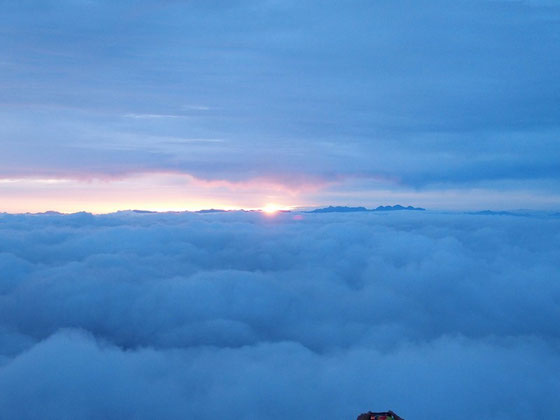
{"x":271,"y":209}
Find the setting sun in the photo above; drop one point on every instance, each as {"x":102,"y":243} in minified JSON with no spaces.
{"x":271,"y":209}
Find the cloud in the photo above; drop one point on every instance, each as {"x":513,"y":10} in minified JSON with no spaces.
{"x":196,"y":315}
{"x":435,"y":92}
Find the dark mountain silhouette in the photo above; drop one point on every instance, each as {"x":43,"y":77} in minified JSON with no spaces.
{"x":211,"y":211}
{"x":346,"y":209}
{"x":338,"y":209}
{"x":504,"y":213}
{"x":397,"y":207}
{"x":493,"y":213}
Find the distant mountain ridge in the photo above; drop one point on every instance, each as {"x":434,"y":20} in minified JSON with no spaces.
{"x":397,"y":207}
{"x":347,"y":209}
{"x":494,"y":213}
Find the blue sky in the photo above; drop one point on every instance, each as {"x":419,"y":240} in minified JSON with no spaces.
{"x":189,"y":104}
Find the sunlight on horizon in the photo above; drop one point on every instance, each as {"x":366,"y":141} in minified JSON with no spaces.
{"x":150,"y":192}
{"x":272,"y":209}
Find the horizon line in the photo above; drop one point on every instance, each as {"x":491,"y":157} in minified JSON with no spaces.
{"x":358,"y":209}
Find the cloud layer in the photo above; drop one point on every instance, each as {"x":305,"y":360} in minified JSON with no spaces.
{"x":249,"y":316}
{"x":427,"y":94}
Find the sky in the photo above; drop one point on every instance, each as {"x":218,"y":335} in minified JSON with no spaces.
{"x":174,"y":105}
{"x":247,"y":316}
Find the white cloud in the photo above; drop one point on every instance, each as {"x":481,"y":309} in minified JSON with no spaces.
{"x":237,"y":314}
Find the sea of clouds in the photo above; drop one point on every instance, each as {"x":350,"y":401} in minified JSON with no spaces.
{"x":247,"y":316}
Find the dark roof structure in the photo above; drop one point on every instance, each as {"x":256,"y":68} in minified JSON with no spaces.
{"x":385,"y":415}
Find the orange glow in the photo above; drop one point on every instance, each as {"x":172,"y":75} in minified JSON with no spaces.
{"x":271,"y":209}
{"x":155,"y":191}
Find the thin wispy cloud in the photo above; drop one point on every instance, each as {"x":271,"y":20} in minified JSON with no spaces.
{"x":153,"y":116}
